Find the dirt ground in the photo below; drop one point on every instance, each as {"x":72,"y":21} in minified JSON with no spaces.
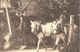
{"x":32,"y":50}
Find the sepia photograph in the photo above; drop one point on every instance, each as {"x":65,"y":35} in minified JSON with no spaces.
{"x":39,"y":25}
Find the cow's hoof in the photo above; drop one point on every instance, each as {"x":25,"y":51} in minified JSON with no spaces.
{"x":37,"y":51}
{"x":54,"y":48}
{"x":46,"y":49}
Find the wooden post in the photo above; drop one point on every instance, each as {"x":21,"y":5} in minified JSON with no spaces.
{"x":7,"y":37}
{"x":71,"y":29}
{"x":9,"y":26}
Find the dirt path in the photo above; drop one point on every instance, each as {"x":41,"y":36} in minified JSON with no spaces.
{"x":32,"y":50}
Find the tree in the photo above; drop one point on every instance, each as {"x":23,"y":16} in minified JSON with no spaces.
{"x":14,"y":4}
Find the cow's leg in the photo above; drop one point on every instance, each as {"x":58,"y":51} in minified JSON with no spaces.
{"x":38,"y":44}
{"x":65,"y":44}
{"x":57,"y":41}
{"x":44,"y":45}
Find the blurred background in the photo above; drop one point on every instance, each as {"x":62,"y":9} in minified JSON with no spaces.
{"x":25,"y":10}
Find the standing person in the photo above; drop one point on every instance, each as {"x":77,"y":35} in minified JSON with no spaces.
{"x":63,"y":18}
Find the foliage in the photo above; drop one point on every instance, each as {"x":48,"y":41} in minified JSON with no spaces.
{"x":45,"y":8}
{"x":14,"y":3}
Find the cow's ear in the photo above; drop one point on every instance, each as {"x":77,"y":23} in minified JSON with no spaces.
{"x":30,"y":21}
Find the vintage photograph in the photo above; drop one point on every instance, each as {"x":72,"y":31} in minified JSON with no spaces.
{"x":39,"y":25}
